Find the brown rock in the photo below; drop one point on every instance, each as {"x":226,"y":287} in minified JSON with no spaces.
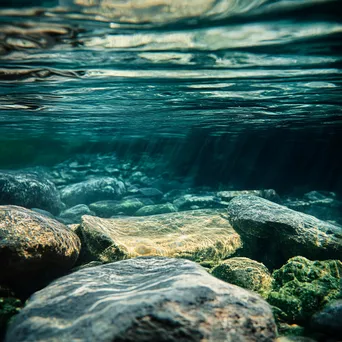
{"x":33,"y":247}
{"x":199,"y":235}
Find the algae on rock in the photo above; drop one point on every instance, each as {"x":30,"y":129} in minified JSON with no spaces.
{"x":200,"y":235}
{"x":246,"y":273}
{"x":302,"y":287}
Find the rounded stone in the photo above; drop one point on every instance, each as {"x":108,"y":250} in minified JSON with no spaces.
{"x":245,"y":272}
{"x":33,"y":246}
{"x":29,"y":190}
{"x":303,"y":287}
{"x":143,"y":299}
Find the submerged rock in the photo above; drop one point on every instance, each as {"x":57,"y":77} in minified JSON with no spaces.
{"x":92,"y":190}
{"x":329,"y":319}
{"x":43,"y":212}
{"x":244,"y":272}
{"x":321,"y":204}
{"x":191,"y":202}
{"x":269,"y":194}
{"x":302,"y":287}
{"x":74,"y":214}
{"x":201,"y":235}
{"x":156,"y":209}
{"x":110,"y":208}
{"x":151,"y":192}
{"x":33,"y":248}
{"x":143,"y":299}
{"x":29,"y":190}
{"x":273,"y":233}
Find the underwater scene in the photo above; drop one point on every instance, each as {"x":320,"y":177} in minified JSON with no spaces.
{"x":170,"y":170}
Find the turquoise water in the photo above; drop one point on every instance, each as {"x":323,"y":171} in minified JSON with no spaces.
{"x":118,"y":109}
{"x":248,"y":90}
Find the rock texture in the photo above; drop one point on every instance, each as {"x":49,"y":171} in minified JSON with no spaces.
{"x":329,"y":319}
{"x":244,"y":272}
{"x":321,"y":204}
{"x":92,"y":190}
{"x":29,"y":190}
{"x":200,"y":235}
{"x":110,"y":208}
{"x":156,"y":209}
{"x":273,"y":233}
{"x":191,"y":202}
{"x":302,"y":287}
{"x":74,"y":214}
{"x":33,"y":246}
{"x":269,"y":194}
{"x":143,"y":299}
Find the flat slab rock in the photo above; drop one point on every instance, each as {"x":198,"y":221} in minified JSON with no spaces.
{"x":199,"y":235}
{"x":143,"y":299}
{"x":264,"y":225}
{"x":32,"y":244}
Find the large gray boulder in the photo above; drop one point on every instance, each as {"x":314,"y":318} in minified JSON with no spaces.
{"x":29,"y":190}
{"x":93,"y":190}
{"x":33,"y":248}
{"x":143,"y":299}
{"x":272,"y":233}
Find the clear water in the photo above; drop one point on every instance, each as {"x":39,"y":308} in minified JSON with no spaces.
{"x":182,"y":97}
{"x":241,"y":93}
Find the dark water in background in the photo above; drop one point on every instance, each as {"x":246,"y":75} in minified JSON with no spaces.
{"x":239,"y":93}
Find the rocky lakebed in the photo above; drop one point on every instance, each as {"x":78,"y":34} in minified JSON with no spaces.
{"x":98,"y":249}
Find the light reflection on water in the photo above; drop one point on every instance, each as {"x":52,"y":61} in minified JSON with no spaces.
{"x":109,"y":71}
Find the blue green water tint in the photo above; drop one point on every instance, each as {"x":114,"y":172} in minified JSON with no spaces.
{"x":249,"y":90}
{"x":151,"y":112}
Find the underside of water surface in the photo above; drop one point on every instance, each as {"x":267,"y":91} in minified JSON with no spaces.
{"x":205,"y":130}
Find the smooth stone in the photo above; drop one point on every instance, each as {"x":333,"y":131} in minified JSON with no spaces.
{"x":43,"y":212}
{"x":319,"y":195}
{"x":245,"y":272}
{"x":323,"y":205}
{"x":190,"y":202}
{"x":109,"y":208}
{"x":174,"y":194}
{"x":33,"y":248}
{"x":93,"y":190}
{"x":29,"y":190}
{"x":143,"y":299}
{"x":268,"y":194}
{"x":201,"y":235}
{"x":74,"y":214}
{"x":329,"y":319}
{"x":156,"y":209}
{"x":151,"y":192}
{"x":302,"y":287}
{"x":273,"y":233}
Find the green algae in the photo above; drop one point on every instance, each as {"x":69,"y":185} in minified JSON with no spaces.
{"x":245,"y":273}
{"x":302,"y":287}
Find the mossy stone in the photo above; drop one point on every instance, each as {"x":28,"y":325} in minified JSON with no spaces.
{"x":245,"y":272}
{"x":302,"y":287}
